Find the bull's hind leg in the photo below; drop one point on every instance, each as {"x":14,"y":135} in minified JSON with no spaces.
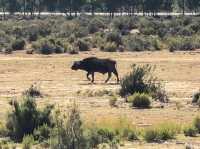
{"x":116,"y":74}
{"x":109,"y":76}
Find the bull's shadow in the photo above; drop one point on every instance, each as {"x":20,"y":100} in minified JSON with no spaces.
{"x":98,"y":83}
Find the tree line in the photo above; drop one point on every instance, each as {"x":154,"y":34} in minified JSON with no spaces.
{"x":109,"y":6}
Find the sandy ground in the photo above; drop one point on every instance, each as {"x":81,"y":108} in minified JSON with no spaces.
{"x":180,"y":72}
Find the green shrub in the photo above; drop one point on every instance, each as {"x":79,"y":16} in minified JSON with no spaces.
{"x":18,"y":44}
{"x":42,"y":133}
{"x":124,"y":23}
{"x":161,"y":132}
{"x":114,"y":37}
{"x":112,"y":101}
{"x":70,"y":48}
{"x":95,"y":25}
{"x":25,"y":118}
{"x":129,"y":134}
{"x":68,"y":130}
{"x":3,"y":130}
{"x":151,"y":135}
{"x":5,"y":40}
{"x":7,"y":50}
{"x":81,"y":32}
{"x":196,"y":41}
{"x":28,"y":142}
{"x":59,"y":49}
{"x":109,"y":47}
{"x":82,"y":45}
{"x":67,"y":29}
{"x":141,"y":43}
{"x":196,"y":97}
{"x":190,"y":131}
{"x":98,"y":136}
{"x":33,"y":91}
{"x":37,"y":28}
{"x":33,"y":37}
{"x":140,"y":100}
{"x":181,"y":44}
{"x":151,"y":26}
{"x":140,"y":80}
{"x":44,"y":46}
{"x":197,"y":123}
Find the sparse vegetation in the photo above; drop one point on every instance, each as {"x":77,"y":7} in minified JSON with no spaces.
{"x":161,"y":132}
{"x":191,"y":131}
{"x":151,"y":34}
{"x":25,"y":118}
{"x":141,"y":80}
{"x":112,"y":101}
{"x":140,"y":100}
{"x":196,"y":97}
{"x":28,"y":142}
{"x":18,"y":44}
{"x":197,"y":123}
{"x":33,"y":91}
{"x":141,"y":43}
{"x":109,"y":47}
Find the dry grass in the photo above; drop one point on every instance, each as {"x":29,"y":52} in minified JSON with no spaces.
{"x":179,"y":71}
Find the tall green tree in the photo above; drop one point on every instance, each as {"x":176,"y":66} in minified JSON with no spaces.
{"x":181,"y":4}
{"x":3,"y":7}
{"x":167,"y":5}
{"x":12,"y":6}
{"x":193,"y":5}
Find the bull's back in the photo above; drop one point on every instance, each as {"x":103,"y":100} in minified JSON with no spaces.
{"x":94,"y":64}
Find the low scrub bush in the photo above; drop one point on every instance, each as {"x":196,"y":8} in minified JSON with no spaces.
{"x":124,"y":23}
{"x":161,"y":132}
{"x":95,"y":25}
{"x":44,"y":46}
{"x":42,"y":133}
{"x":18,"y":44}
{"x":141,"y":80}
{"x":141,"y":43}
{"x":33,"y":91}
{"x":180,"y":44}
{"x":3,"y":130}
{"x":114,"y":37}
{"x":196,"y":97}
{"x":7,"y":50}
{"x":112,"y":101}
{"x":70,"y":48}
{"x":25,"y":118}
{"x":112,"y":130}
{"x":5,"y":40}
{"x":68,"y":131}
{"x":82,"y":45}
{"x":109,"y":47}
{"x":190,"y":131}
{"x":196,"y":123}
{"x":27,"y":142}
{"x":140,"y":100}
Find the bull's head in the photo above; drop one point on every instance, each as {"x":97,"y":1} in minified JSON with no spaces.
{"x":76,"y":65}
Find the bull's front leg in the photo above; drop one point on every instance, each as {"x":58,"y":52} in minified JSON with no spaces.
{"x":93,"y":77}
{"x":109,"y":76}
{"x":88,"y":76}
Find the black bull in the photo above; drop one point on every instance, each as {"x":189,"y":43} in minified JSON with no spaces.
{"x":93,"y":64}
